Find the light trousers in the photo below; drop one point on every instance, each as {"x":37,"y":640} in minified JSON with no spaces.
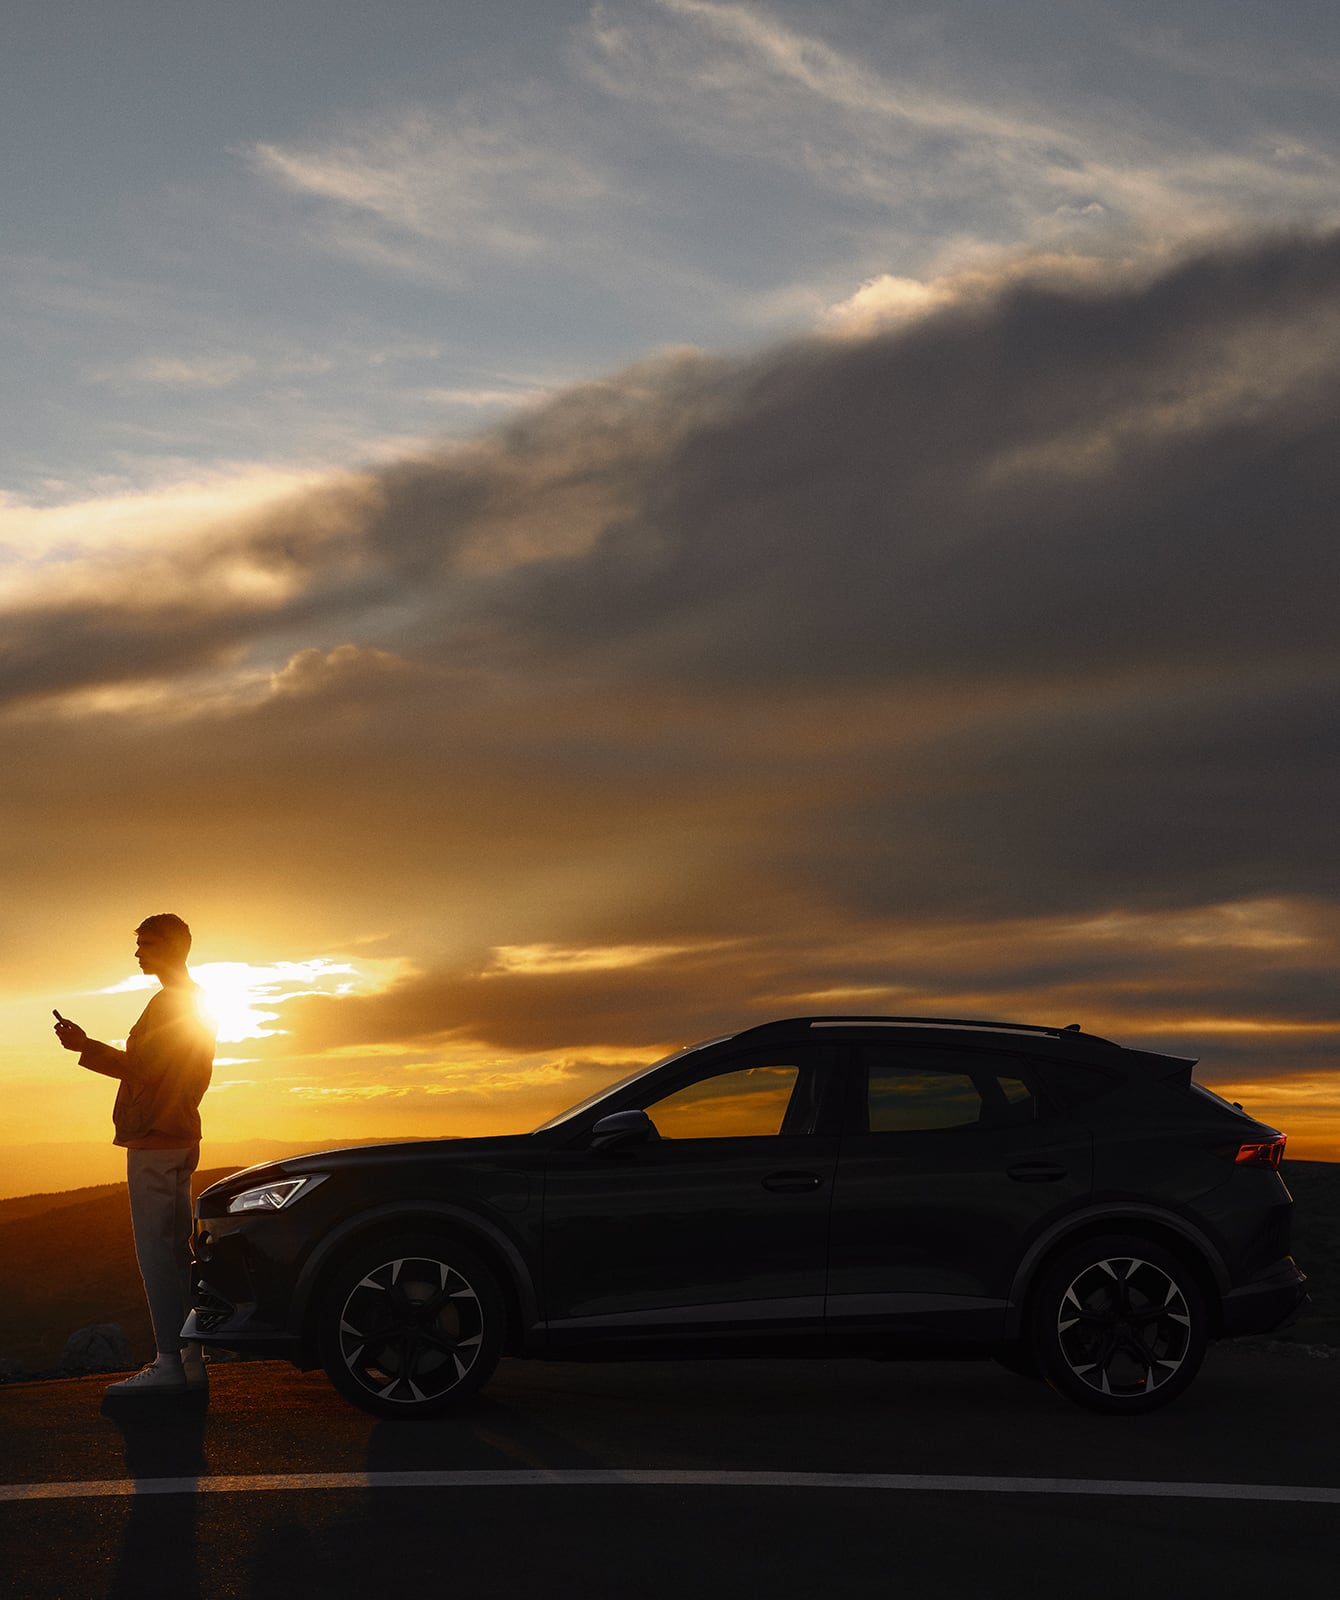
{"x":159,"y":1182}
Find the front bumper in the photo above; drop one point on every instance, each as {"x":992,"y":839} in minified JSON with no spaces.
{"x":213,"y":1322}
{"x":241,"y":1286}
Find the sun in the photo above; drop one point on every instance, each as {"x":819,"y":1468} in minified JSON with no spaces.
{"x":244,"y":1001}
{"x":233,"y":996}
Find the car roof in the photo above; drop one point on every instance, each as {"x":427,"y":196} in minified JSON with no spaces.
{"x":1069,"y":1041}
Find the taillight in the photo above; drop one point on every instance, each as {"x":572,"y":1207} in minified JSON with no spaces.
{"x":1265,"y":1153}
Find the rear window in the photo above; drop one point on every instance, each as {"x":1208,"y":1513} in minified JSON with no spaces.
{"x":1218,"y":1100}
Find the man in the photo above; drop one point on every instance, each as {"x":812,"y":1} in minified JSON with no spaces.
{"x":164,"y":1071}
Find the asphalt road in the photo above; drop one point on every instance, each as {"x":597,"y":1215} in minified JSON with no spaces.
{"x":678,"y":1479}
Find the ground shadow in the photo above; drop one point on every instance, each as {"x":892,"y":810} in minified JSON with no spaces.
{"x":164,"y":1439}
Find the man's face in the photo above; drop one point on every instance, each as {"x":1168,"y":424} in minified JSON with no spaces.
{"x":152,"y":953}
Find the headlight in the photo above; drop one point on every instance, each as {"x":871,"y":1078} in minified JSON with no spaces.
{"x":274,"y":1196}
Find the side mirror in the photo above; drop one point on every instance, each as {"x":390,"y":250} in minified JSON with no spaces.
{"x":622,"y":1128}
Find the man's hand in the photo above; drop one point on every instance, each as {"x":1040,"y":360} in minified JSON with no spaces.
{"x":70,"y":1034}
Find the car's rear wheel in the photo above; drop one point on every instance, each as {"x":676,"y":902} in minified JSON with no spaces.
{"x":410,"y":1326}
{"x":1119,"y":1324}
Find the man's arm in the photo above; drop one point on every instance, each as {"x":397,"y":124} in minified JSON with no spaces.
{"x":93,"y":1054}
{"x":103,"y":1058}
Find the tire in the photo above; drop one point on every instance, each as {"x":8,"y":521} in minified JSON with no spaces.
{"x":1119,"y":1325}
{"x":410,"y":1326}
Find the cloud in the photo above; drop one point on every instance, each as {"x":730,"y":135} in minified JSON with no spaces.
{"x":190,"y":372}
{"x":161,"y":600}
{"x":735,"y":81}
{"x":982,"y":663}
{"x":497,"y":175}
{"x":315,"y":672}
{"x":902,"y":159}
{"x":1053,"y":445}
{"x":133,"y":524}
{"x":884,"y":301}
{"x":954,"y":161}
{"x":770,"y":49}
{"x":1230,"y":982}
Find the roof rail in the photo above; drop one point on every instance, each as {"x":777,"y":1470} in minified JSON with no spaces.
{"x":974,"y":1024}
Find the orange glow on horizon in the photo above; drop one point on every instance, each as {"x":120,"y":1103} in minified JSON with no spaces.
{"x":345,"y":1047}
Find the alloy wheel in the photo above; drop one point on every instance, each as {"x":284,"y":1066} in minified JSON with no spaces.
{"x":1124,"y":1326}
{"x":410,"y":1330}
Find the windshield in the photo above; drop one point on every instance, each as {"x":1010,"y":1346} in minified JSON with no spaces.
{"x":613,"y":1088}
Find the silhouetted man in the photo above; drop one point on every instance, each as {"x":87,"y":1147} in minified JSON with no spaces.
{"x":164,"y":1071}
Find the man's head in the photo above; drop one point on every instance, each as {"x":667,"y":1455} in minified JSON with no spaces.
{"x":162,"y":943}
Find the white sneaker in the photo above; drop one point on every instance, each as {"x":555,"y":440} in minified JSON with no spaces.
{"x":154,"y":1379}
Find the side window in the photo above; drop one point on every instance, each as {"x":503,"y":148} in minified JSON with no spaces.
{"x":749,"y":1102}
{"x":915,"y":1091}
{"x":903,"y":1099}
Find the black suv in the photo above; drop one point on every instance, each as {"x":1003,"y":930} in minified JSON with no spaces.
{"x":883,"y":1186}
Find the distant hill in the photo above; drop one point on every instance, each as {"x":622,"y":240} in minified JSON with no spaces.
{"x":1315,"y":1186}
{"x":67,"y":1261}
{"x":29,"y":1169}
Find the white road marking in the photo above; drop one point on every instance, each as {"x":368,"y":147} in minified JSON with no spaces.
{"x":656,"y":1478}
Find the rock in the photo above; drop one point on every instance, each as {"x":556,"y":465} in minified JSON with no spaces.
{"x":101,"y":1348}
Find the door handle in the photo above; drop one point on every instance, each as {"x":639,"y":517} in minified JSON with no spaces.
{"x":1037,"y":1172}
{"x":792,"y":1182}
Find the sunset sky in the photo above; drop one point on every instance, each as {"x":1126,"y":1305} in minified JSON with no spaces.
{"x":547,"y":531}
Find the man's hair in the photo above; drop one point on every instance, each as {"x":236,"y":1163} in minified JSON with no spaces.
{"x":168,"y":927}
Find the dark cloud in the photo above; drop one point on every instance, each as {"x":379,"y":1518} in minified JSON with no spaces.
{"x":668,"y":1002}
{"x":1057,"y":477}
{"x":1164,"y":791}
{"x":1055,"y":480}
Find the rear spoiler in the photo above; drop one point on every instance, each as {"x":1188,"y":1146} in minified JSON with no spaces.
{"x":1163,"y":1068}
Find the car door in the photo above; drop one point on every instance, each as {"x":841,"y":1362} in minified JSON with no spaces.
{"x":719,"y":1224}
{"x":951,"y":1161}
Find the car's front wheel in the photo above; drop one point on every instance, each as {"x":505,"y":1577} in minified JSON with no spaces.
{"x":410,"y":1326}
{"x":1119,"y":1324}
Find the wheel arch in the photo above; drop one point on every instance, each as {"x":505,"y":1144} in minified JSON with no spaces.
{"x":1174,"y":1233}
{"x":490,"y":1243}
